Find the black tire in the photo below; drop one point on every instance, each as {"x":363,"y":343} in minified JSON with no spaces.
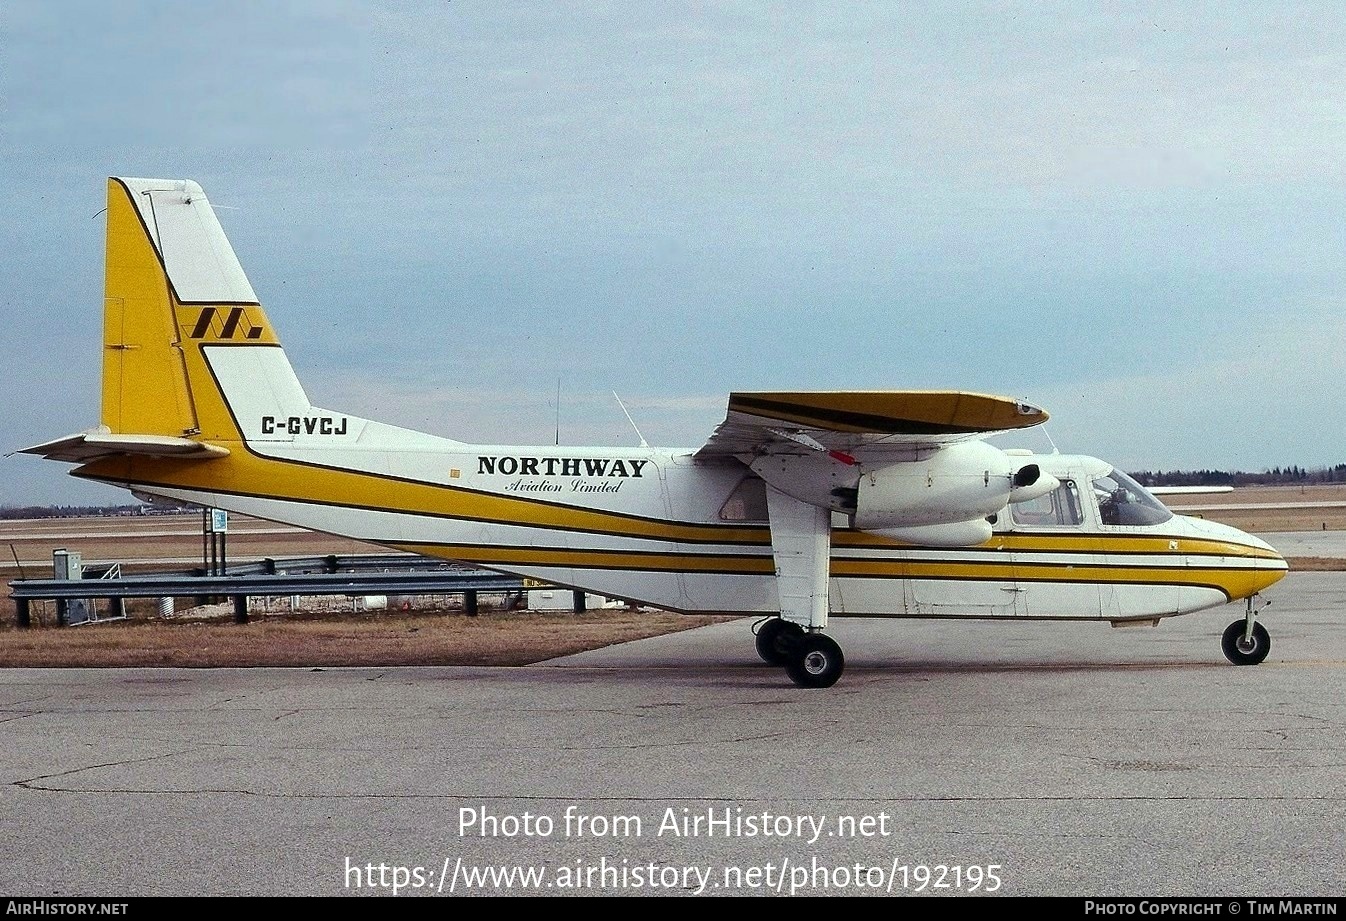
{"x":816,"y":662}
{"x":1236,"y":652}
{"x":775,"y":637}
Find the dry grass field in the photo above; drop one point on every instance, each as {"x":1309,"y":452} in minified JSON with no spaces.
{"x":1271,"y":509}
{"x":383,"y":639}
{"x":431,"y":635}
{"x":435,"y":633}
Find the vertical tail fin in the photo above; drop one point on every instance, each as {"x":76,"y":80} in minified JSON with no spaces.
{"x":174,"y":286}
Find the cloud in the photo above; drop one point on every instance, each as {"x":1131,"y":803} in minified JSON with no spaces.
{"x":460,"y":204}
{"x":1259,"y":396}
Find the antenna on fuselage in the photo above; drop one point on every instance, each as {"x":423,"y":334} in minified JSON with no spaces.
{"x":1055,"y":449}
{"x":643,"y":442}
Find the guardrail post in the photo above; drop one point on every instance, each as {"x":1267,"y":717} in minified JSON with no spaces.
{"x":579,"y":602}
{"x":240,"y":609}
{"x":118,"y":606}
{"x":470,"y":603}
{"x":62,"y":612}
{"x":22,"y":615}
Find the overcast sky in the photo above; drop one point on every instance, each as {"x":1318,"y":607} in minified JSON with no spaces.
{"x":1132,"y":215}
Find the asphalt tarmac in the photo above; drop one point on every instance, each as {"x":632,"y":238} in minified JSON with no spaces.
{"x":1035,"y":758}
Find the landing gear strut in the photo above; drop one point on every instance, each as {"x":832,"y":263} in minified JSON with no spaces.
{"x":801,"y":541}
{"x":1246,"y":642}
{"x":812,"y":660}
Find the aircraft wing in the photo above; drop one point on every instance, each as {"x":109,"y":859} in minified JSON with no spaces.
{"x":866,"y":420}
{"x":83,"y":447}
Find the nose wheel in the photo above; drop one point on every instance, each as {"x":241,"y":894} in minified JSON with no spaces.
{"x":1245,"y":650}
{"x":1246,"y":642}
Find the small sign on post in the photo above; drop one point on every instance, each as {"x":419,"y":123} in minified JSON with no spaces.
{"x":217,"y":526}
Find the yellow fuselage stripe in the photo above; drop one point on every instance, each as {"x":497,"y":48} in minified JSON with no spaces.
{"x":265,"y":478}
{"x":1233,"y":581}
{"x":246,"y":474}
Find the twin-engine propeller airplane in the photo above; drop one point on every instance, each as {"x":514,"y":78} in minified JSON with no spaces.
{"x":798,"y":507}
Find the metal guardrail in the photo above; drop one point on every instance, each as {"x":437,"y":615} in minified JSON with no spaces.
{"x":240,"y":585}
{"x":340,"y":583}
{"x":358,"y":562}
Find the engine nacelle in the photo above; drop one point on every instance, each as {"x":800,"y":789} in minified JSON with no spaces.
{"x":955,"y":534}
{"x":957,"y":483}
{"x":1031,"y":483}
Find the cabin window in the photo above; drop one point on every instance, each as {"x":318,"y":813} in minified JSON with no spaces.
{"x":1121,"y":500}
{"x":1058,"y":508}
{"x":747,"y":502}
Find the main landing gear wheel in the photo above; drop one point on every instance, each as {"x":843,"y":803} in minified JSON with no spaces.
{"x":815,"y":662}
{"x":774,"y":639}
{"x":1238,"y":651}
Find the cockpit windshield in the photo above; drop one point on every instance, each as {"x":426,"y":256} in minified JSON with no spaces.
{"x":1121,"y":500}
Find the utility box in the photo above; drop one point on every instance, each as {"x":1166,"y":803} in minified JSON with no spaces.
{"x":549,"y":599}
{"x":553,"y":598}
{"x":68,"y":564}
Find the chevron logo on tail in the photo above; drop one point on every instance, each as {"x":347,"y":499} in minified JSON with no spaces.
{"x":234,"y":322}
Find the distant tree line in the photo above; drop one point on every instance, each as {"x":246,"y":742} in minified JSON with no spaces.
{"x":88,"y":511}
{"x":1276,"y":476}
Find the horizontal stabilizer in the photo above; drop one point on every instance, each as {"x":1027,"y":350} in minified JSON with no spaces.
{"x":83,"y":447}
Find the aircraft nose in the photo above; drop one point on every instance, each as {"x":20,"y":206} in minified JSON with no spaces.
{"x":1260,"y":564}
{"x":1268,"y":566}
{"x":1270,"y":569}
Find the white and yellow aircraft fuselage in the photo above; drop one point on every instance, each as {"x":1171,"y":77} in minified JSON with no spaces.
{"x":798,"y":507}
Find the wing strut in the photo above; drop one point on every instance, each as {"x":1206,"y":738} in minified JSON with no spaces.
{"x":801,"y":542}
